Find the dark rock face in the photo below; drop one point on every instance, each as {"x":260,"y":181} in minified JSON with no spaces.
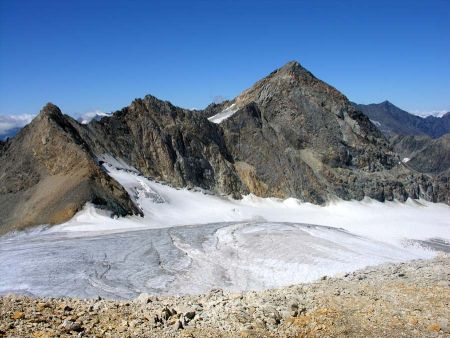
{"x":167,"y":143}
{"x":215,"y":108}
{"x":392,"y":120}
{"x":425,"y":154}
{"x":47,"y":174}
{"x":291,"y":135}
{"x":295,"y":136}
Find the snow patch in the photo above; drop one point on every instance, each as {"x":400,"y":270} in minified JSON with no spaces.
{"x":376,"y":123}
{"x":435,"y":113}
{"x":224,"y":114}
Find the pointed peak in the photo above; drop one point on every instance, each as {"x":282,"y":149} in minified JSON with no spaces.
{"x":291,"y":66}
{"x":290,"y":77}
{"x":50,"y":110}
{"x":150,"y":101}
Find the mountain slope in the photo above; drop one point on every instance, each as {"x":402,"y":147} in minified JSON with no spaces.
{"x":392,"y":120}
{"x":424,"y":154}
{"x":167,"y":143}
{"x":292,"y":135}
{"x":47,"y":174}
{"x":289,"y":135}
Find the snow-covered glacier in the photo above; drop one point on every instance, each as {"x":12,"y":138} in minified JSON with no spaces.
{"x":192,"y":241}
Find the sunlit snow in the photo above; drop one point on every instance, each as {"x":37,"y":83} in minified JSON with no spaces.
{"x":224,"y":114}
{"x":192,"y":241}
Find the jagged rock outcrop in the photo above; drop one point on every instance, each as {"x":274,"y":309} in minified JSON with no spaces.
{"x":290,"y":135}
{"x":392,"y":120}
{"x":167,"y":143}
{"x":424,"y":154}
{"x":293,"y":135}
{"x":215,"y":108}
{"x":47,"y":174}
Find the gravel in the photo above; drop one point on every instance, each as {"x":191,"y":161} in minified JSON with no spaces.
{"x":392,"y":300}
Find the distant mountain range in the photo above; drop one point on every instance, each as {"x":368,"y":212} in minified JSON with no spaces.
{"x":9,"y":133}
{"x":422,"y":142}
{"x":423,"y":153}
{"x":392,"y":120}
{"x":289,"y":135}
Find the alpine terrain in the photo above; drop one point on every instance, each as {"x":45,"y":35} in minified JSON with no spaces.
{"x":285,"y":211}
{"x":289,"y":135}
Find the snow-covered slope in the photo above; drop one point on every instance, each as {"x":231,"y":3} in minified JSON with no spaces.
{"x":165,"y":206}
{"x":192,"y":241}
{"x":224,"y":114}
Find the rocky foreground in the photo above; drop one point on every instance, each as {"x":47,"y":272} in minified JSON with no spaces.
{"x":402,"y":300}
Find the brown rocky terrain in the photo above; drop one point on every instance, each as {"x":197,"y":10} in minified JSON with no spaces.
{"x":168,"y":143}
{"x":295,"y":136}
{"x":291,"y":136}
{"x":393,"y":300}
{"x":47,"y":174}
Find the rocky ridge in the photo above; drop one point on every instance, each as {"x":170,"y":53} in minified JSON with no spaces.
{"x":394,"y":121}
{"x":293,"y":135}
{"x":167,"y":143}
{"x":47,"y":174}
{"x":393,"y":300}
{"x":289,"y":135}
{"x":424,"y":154}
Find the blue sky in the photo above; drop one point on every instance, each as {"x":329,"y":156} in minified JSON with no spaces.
{"x":100,"y":55}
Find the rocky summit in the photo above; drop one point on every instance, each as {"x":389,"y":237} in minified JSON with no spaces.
{"x":47,"y":174}
{"x":289,"y":135}
{"x":295,"y":136}
{"x":167,"y":143}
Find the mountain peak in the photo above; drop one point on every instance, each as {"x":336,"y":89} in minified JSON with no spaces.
{"x":291,"y":65}
{"x":292,"y":79}
{"x":51,"y":110}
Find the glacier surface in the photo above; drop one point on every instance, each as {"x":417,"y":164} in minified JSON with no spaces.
{"x":191,"y":241}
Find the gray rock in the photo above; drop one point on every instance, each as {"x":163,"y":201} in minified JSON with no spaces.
{"x":293,"y":306}
{"x":69,"y":325}
{"x":326,"y":147}
{"x":63,"y":167}
{"x":178,"y":325}
{"x":292,"y":136}
{"x":143,"y":298}
{"x":395,"y":121}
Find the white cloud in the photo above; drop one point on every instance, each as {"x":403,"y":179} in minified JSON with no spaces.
{"x":10,"y":123}
{"x":436,"y":113}
{"x":89,"y":116}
